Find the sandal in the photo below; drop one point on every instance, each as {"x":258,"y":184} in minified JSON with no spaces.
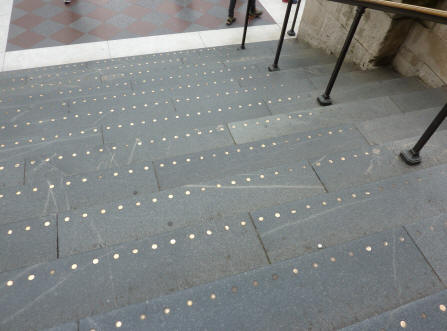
{"x":255,"y":13}
{"x":230,"y":20}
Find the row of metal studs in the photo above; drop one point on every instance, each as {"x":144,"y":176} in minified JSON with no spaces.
{"x":42,"y":139}
{"x":154,"y":246}
{"x":187,"y":192}
{"x":268,"y":120}
{"x":374,"y":151}
{"x":294,"y":271}
{"x":27,"y":228}
{"x":252,"y":147}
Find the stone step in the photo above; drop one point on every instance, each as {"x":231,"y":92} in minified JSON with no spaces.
{"x":12,"y":173}
{"x":299,"y":121}
{"x":430,"y":98}
{"x":428,"y":313}
{"x":327,"y":220}
{"x":113,"y":277}
{"x":311,"y":292}
{"x":348,"y":169}
{"x":190,"y":168}
{"x":430,"y":235}
{"x":127,"y":219}
{"x":28,"y":242}
{"x":286,"y":102}
{"x":49,"y":93}
{"x":399,"y":126}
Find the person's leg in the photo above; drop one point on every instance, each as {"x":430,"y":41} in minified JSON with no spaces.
{"x":254,"y":12}
{"x":231,"y":17}
{"x":231,"y":8}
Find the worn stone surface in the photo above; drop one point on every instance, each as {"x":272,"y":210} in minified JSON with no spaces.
{"x":191,"y":168}
{"x":398,"y":127}
{"x":430,"y":235}
{"x":429,"y":98}
{"x":301,"y":121}
{"x":28,"y":242}
{"x":306,"y":225}
{"x":126,"y":274}
{"x":123,"y":220}
{"x":424,"y":314}
{"x":314,"y":291}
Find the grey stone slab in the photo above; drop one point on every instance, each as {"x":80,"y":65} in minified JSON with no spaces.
{"x":397,"y":127}
{"x":12,"y":173}
{"x":100,"y":186}
{"x":40,"y":199}
{"x":288,"y":102}
{"x":326,"y":220}
{"x":22,"y":117}
{"x":321,"y":291}
{"x":430,"y":236}
{"x":424,"y":314}
{"x":429,"y":98}
{"x":282,"y":124}
{"x":28,"y":242}
{"x":122,"y":220}
{"x":172,"y":144}
{"x":356,"y":77}
{"x":341,"y":170}
{"x":137,"y":124}
{"x":189,"y":168}
{"x":31,"y":141}
{"x":129,"y":273}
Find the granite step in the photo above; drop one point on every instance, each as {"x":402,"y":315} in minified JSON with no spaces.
{"x":190,"y":168}
{"x":28,"y":242}
{"x":127,"y":219}
{"x":318,"y":222}
{"x":113,"y":277}
{"x":428,"y":313}
{"x":287,"y":102}
{"x":348,"y":169}
{"x":399,"y":126}
{"x":429,"y":98}
{"x":430,"y":235}
{"x":311,"y":292}
{"x":299,"y":121}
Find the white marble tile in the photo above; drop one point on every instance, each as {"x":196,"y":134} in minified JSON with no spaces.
{"x":2,"y":58}
{"x":4,"y":28}
{"x":41,"y":57}
{"x":155,"y":44}
{"x":231,"y":36}
{"x":6,"y":7}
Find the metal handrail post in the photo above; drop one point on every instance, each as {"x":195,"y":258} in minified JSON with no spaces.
{"x":411,"y":156}
{"x":291,"y":32}
{"x":274,"y":66}
{"x":325,"y":98}
{"x":244,"y":35}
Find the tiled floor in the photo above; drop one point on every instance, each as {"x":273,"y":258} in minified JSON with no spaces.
{"x":46,"y":23}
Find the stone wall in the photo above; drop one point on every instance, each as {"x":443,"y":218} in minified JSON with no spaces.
{"x":424,"y":52}
{"x":381,"y":38}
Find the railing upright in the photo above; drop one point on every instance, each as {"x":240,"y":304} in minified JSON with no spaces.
{"x":291,"y":32}
{"x":247,"y":15}
{"x":412,"y":156}
{"x":274,"y":66}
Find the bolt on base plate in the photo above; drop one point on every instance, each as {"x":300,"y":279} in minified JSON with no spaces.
{"x":410,"y":158}
{"x":324,"y":100}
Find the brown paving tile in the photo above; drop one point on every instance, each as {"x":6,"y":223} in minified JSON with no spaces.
{"x":209,"y":21}
{"x":136,"y":11}
{"x":170,"y":8}
{"x":28,"y":21}
{"x":27,"y":39}
{"x":58,"y":3}
{"x":67,"y":35}
{"x":141,"y":28}
{"x":105,"y":31}
{"x":29,"y":5}
{"x":176,"y":24}
{"x":66,"y":17}
{"x":102,"y":14}
{"x":201,"y":6}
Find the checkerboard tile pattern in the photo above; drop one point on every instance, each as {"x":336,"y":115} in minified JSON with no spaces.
{"x":44,"y":23}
